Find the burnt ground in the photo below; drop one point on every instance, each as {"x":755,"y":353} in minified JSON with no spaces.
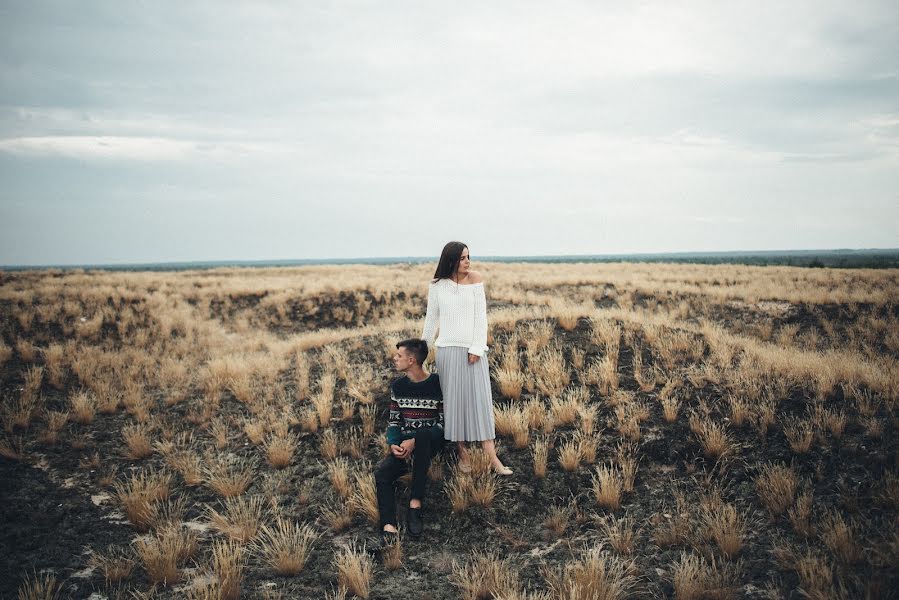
{"x":52,"y":522}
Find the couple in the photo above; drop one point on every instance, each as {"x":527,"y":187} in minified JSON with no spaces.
{"x":418,"y":425}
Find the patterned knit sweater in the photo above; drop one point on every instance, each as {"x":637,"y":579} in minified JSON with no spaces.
{"x":460,"y":313}
{"x":413,"y":406}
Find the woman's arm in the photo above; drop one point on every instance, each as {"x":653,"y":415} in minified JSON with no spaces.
{"x":479,"y":333}
{"x":432,"y":316}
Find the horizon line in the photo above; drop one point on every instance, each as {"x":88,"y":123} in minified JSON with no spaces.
{"x":160,"y":265}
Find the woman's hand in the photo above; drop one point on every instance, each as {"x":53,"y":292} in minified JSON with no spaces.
{"x":473,"y":358}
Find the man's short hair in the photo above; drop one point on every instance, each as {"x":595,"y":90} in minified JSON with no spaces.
{"x":417,"y":348}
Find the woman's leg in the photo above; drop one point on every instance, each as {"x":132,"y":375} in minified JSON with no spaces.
{"x":489,"y":447}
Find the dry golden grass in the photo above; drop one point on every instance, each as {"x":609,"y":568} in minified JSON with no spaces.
{"x":340,"y":477}
{"x":328,"y":445}
{"x":227,"y":564}
{"x":484,"y":575}
{"x":549,"y":371}
{"x":5,"y":353}
{"x":338,"y":516}
{"x":392,"y":555}
{"x":596,"y":575}
{"x":776,"y":486}
{"x":162,"y":553}
{"x":726,"y":526}
{"x":39,"y":587}
{"x":607,"y":487}
{"x":799,"y":433}
{"x":800,"y":514}
{"x":620,"y":532}
{"x":139,"y":495}
{"x":628,"y":459}
{"x":285,"y":545}
{"x":603,"y":373}
{"x":540,"y":453}
{"x":510,"y":381}
{"x":229,"y":477}
{"x":279,"y":451}
{"x":365,"y":497}
{"x":569,"y":455}
{"x":556,"y":521}
{"x":841,"y":538}
{"x":138,"y":441}
{"x":241,"y":518}
{"x":116,"y":563}
{"x":714,"y":439}
{"x":82,"y":408}
{"x":354,"y":570}
{"x":695,"y":578}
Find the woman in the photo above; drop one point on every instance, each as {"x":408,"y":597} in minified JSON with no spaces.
{"x":457,"y":306}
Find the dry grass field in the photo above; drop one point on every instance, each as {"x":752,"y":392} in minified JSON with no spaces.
{"x":676,"y":431}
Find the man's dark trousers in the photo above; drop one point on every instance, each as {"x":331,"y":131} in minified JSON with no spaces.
{"x":428,"y":442}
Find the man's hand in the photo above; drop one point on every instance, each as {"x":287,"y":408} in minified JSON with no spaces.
{"x":397,"y":451}
{"x":473,"y":358}
{"x":408,"y":445}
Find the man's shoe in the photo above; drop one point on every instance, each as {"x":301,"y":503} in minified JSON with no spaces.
{"x":416,"y":525}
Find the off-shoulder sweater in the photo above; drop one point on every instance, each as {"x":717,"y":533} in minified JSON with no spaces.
{"x":459,"y":312}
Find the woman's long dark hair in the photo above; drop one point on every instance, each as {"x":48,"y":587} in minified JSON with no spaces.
{"x":449,"y":260}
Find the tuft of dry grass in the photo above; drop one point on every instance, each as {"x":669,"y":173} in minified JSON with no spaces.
{"x":354,"y":443}
{"x":337,"y":515}
{"x":323,"y":400}
{"x":339,"y":476}
{"x":354,"y":570}
{"x":229,"y":477}
{"x":607,"y":486}
{"x":458,"y":489}
{"x":241,"y":518}
{"x":603,"y":373}
{"x":570,"y":455}
{"x":595,"y":575}
{"x":39,"y":587}
{"x":279,"y":451}
{"x":138,"y":441}
{"x":368,"y":414}
{"x":255,"y":430}
{"x":327,"y":444}
{"x":82,"y":408}
{"x":510,"y":381}
{"x":556,"y":521}
{"x":301,"y":376}
{"x":621,"y":533}
{"x":227,"y":566}
{"x":627,"y":457}
{"x":116,"y":563}
{"x":392,"y":555}
{"x":714,"y":440}
{"x":841,"y":538}
{"x":139,"y":495}
{"x":800,"y":515}
{"x":776,"y":486}
{"x":484,"y":575}
{"x":285,"y":546}
{"x":695,"y":578}
{"x":540,"y":453}
{"x":162,"y":553}
{"x":726,"y":527}
{"x":484,"y":489}
{"x":799,"y":433}
{"x":365,"y":495}
{"x":550,"y":371}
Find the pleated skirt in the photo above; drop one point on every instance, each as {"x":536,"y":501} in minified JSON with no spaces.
{"x":467,"y":399}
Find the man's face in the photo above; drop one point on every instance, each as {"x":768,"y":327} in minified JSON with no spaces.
{"x":403,"y":360}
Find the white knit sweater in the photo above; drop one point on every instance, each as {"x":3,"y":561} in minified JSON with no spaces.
{"x":460,"y":313}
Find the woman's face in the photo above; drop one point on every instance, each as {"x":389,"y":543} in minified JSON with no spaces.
{"x":464,"y":263}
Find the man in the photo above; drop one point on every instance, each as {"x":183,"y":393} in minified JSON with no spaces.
{"x":414,"y":431}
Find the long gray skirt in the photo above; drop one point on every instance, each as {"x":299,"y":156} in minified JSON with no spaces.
{"x":467,"y":400}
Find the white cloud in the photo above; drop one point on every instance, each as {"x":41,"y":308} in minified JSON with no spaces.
{"x":130,"y":148}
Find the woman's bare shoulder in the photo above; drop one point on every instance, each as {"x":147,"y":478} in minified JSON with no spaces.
{"x":475,"y":277}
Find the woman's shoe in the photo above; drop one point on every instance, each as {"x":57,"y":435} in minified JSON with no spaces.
{"x":504,"y":470}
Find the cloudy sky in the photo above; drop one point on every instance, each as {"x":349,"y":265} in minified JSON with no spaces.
{"x":136,"y":131}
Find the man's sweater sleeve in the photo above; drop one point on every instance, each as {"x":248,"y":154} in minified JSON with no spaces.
{"x":432,"y":316}
{"x":479,"y":332}
{"x":394,"y":422}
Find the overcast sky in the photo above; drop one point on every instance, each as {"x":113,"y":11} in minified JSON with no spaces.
{"x":177,"y":131}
